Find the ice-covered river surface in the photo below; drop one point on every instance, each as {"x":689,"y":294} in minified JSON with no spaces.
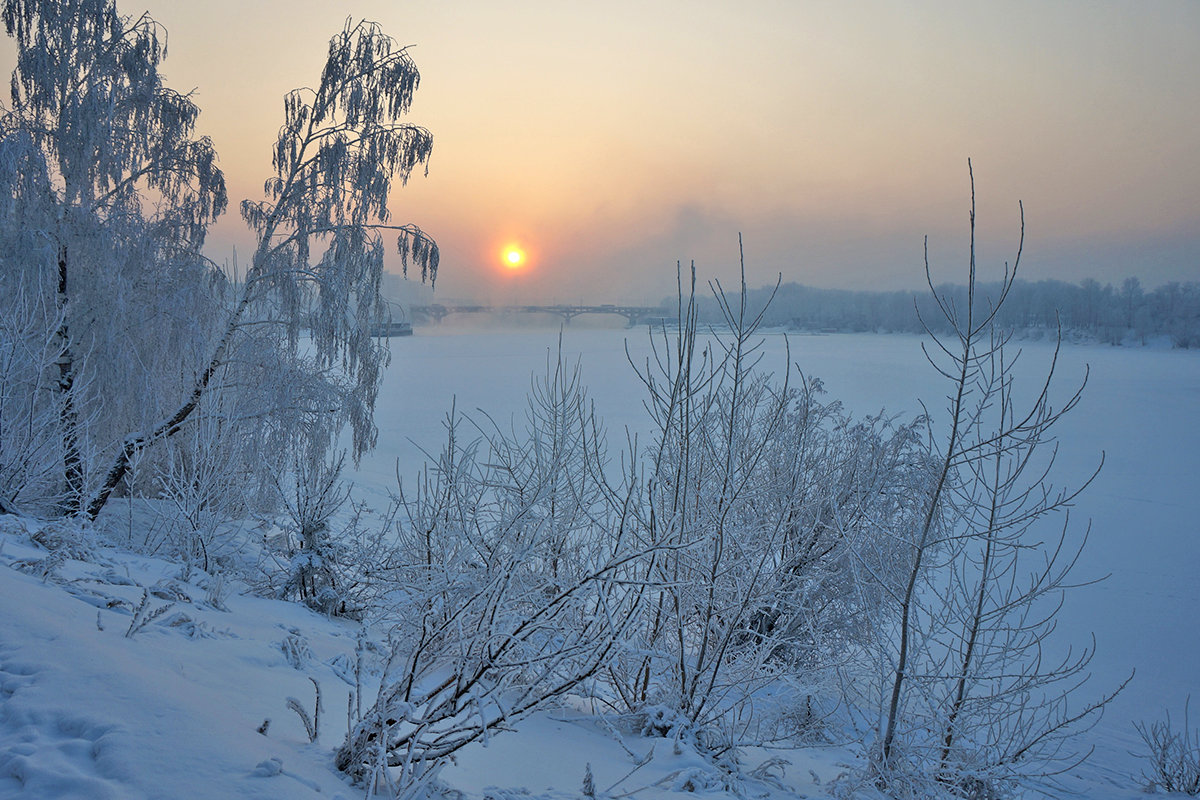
{"x":1140,"y":408}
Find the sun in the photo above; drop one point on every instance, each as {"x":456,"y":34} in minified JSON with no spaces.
{"x":513,"y":257}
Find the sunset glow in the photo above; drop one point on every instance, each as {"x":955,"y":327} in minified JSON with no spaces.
{"x":843,"y":143}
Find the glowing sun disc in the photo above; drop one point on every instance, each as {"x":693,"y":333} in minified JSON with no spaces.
{"x":513,"y":257}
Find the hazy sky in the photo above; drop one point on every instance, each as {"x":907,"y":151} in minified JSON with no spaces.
{"x":612,"y":139}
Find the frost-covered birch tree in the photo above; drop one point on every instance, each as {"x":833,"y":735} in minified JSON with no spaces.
{"x":319,"y":256}
{"x":100,"y":133}
{"x":110,"y":193}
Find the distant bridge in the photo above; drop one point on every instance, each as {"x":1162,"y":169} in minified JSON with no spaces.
{"x":634,"y":314}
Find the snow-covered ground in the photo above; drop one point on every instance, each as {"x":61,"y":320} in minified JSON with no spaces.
{"x":173,"y":710}
{"x":193,"y":704}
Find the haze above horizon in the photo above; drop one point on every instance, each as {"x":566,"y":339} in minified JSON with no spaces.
{"x":605,"y":142}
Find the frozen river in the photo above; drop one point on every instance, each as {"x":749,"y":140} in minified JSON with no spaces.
{"x":1141,"y":408}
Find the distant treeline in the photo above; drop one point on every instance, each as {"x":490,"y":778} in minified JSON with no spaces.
{"x":1127,"y":314}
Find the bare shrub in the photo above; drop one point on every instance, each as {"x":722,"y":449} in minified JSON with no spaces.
{"x":974,"y":702}
{"x":499,"y":618}
{"x":1174,"y":755}
{"x":766,"y":500}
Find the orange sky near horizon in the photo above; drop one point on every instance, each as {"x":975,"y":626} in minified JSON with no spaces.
{"x":610,"y":140}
